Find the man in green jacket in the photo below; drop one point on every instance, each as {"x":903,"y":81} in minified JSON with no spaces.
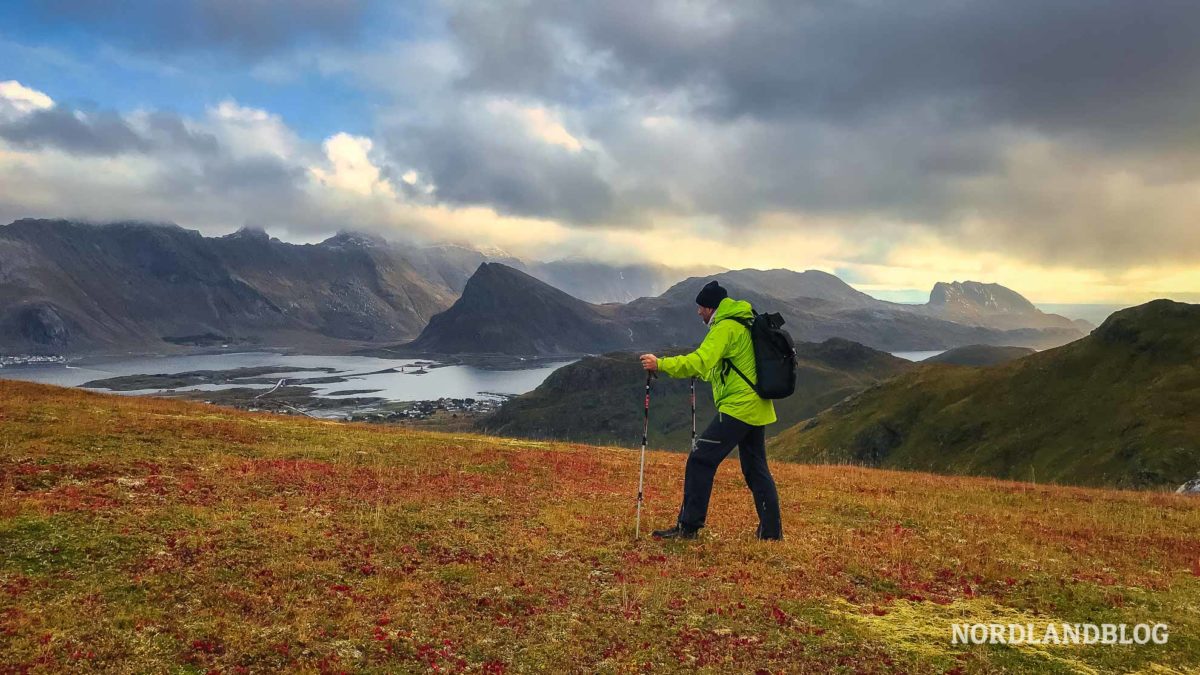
{"x":741,"y":418}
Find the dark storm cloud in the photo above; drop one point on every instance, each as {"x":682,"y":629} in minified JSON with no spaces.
{"x":61,"y":128}
{"x":265,"y":190}
{"x":1055,"y":63}
{"x":921,"y":111}
{"x":171,"y":131}
{"x":264,"y":175}
{"x":510,"y":52}
{"x":489,"y":160}
{"x":248,"y":28}
{"x":102,"y":133}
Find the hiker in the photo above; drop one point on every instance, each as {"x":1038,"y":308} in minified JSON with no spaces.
{"x":742,"y":415}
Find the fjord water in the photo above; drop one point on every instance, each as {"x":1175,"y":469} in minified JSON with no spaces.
{"x":917,"y":356}
{"x":359,"y":373}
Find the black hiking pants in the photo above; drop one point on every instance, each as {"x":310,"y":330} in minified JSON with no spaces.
{"x":711,"y":448}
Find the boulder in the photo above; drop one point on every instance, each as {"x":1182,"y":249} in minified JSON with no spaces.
{"x":1192,"y":487}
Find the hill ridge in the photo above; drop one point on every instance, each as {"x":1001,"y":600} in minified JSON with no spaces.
{"x":1119,"y":407}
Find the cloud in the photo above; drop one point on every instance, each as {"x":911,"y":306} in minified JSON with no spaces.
{"x":17,"y":100}
{"x":539,"y":123}
{"x":29,"y":119}
{"x":73,"y":131}
{"x":352,"y":169}
{"x":249,"y":132}
{"x":923,"y":112}
{"x":1032,"y":134}
{"x":515,"y":159}
{"x":1060,"y":63}
{"x":233,"y":166}
{"x":247,"y":29}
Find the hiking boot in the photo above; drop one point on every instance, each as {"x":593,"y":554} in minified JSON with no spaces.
{"x":677,"y":532}
{"x":778,"y":536}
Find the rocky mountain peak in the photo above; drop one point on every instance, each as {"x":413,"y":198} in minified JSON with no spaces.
{"x":250,"y":234}
{"x":980,"y":296}
{"x":352,"y":239}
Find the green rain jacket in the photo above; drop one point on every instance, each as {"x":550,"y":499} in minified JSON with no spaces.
{"x":726,"y":340}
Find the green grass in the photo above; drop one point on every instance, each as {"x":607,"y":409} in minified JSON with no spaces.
{"x":149,"y":535}
{"x":1119,"y":408}
{"x":600,"y":399}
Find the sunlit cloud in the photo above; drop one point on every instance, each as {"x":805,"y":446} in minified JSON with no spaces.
{"x":18,"y":99}
{"x":894,"y":144}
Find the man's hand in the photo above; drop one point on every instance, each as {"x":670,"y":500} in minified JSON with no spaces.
{"x":649,"y":362}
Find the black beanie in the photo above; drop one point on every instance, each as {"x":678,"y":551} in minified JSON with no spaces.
{"x":711,"y":295}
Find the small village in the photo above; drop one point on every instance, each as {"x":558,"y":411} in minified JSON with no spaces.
{"x":424,"y":410}
{"x":29,"y":359}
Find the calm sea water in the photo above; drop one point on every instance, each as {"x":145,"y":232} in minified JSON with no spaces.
{"x":456,"y":381}
{"x":917,"y":356}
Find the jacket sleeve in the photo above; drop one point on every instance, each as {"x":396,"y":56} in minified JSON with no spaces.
{"x":700,"y":362}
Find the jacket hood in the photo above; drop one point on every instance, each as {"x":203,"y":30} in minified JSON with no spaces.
{"x":732,"y":309}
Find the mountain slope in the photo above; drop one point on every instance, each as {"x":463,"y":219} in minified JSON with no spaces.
{"x":979,"y":355}
{"x":505,"y":311}
{"x":818,"y":306}
{"x":788,"y":285}
{"x":68,"y":287}
{"x":969,"y":303}
{"x":599,"y":399}
{"x":509,"y":312}
{"x":1120,"y":407}
{"x":72,"y":288}
{"x":153,"y":536}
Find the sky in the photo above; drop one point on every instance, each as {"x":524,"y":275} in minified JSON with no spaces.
{"x":1052,"y":146}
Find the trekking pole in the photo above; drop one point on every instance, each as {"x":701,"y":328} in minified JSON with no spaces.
{"x":637,"y":528}
{"x":693,"y":412}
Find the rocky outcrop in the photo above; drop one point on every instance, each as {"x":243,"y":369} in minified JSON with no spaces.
{"x":991,"y":305}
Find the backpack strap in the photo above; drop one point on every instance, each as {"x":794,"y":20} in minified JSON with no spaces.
{"x":728,"y":363}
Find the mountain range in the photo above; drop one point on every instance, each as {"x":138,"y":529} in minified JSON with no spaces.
{"x":505,"y":311}
{"x":1118,"y":407}
{"x":72,"y":288}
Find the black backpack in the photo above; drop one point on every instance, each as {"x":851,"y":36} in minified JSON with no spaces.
{"x":774,"y":356}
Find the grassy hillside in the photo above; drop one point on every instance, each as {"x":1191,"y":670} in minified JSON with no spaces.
{"x":1120,"y":407}
{"x":980,"y":355}
{"x":599,"y":399}
{"x":149,"y":535}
